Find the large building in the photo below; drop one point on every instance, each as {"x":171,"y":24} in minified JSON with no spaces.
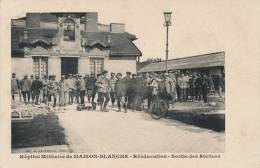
{"x":211,"y":64}
{"x":64,"y":43}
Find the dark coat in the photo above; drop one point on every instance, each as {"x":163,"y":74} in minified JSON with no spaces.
{"x":36,"y":85}
{"x":90,"y":83}
{"x":120,"y":88}
{"x":138,"y":86}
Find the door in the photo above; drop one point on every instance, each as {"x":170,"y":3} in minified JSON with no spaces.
{"x":69,"y":65}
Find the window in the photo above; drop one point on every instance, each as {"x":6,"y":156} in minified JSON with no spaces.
{"x":69,"y":29}
{"x":96,"y":65}
{"x":40,"y":66}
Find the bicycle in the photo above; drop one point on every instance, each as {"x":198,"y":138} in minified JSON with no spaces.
{"x":158,"y":108}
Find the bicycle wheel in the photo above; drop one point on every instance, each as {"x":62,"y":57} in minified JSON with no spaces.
{"x":158,"y":109}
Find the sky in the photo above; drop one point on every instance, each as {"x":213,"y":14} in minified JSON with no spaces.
{"x":197,"y":28}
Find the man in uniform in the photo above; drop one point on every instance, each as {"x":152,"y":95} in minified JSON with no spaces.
{"x":147,"y":89}
{"x":14,"y":86}
{"x":130,"y":91}
{"x":120,"y":92}
{"x":72,"y":88}
{"x":112,"y":82}
{"x":138,"y":92}
{"x":53,"y":89}
{"x":76,"y":86}
{"x":82,"y":89}
{"x":91,"y":87}
{"x":128,"y":88}
{"x":25,"y":88}
{"x":36,"y":89}
{"x":32,"y":95}
{"x":63,"y":90}
{"x":103,"y":90}
{"x":45,"y":82}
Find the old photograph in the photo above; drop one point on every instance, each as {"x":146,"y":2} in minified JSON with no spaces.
{"x":79,"y":84}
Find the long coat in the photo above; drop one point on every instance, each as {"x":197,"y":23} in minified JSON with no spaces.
{"x":25,"y":85}
{"x":36,"y":85}
{"x":120,"y":88}
{"x":14,"y":85}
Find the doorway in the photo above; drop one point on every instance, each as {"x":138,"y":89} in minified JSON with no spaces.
{"x":69,"y":65}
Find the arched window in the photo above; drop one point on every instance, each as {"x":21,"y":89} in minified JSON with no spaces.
{"x":69,"y":29}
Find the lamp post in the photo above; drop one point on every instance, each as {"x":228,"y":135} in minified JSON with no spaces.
{"x":167,"y":23}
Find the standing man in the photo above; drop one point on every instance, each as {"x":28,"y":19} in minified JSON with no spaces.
{"x":112,"y":83}
{"x":45,"y":82}
{"x":147,"y":89}
{"x":71,"y":88}
{"x":205,"y":87}
{"x":183,"y":86}
{"x":25,"y":88}
{"x":198,"y":85}
{"x":76,"y":85}
{"x":32,"y":95}
{"x":103,"y":86}
{"x":128,"y":89}
{"x":120,"y":91}
{"x":91,"y":87}
{"x":171,"y":82}
{"x":138,"y":92}
{"x":14,"y":85}
{"x":131,"y":92}
{"x":63,"y":91}
{"x":187,"y":80}
{"x":53,"y":89}
{"x":192,"y":84}
{"x":36,"y":89}
{"x":82,"y":89}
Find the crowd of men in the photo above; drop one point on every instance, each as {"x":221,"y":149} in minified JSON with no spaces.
{"x":128,"y":91}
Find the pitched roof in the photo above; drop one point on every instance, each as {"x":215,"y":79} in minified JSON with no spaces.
{"x":120,"y":43}
{"x":44,"y":35}
{"x":199,"y":61}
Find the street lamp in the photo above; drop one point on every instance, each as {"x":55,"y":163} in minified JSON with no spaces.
{"x":167,"y":23}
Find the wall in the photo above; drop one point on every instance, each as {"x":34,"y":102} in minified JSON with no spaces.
{"x":84,"y":66}
{"x":22,"y":66}
{"x":54,"y":66}
{"x":68,"y":48}
{"x":122,"y":66}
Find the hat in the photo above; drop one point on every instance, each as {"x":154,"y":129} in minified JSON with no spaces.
{"x":63,"y":76}
{"x":104,"y":72}
{"x":36,"y":77}
{"x":166,"y":74}
{"x":128,"y":73}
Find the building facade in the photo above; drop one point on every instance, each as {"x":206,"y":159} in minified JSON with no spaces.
{"x":70,"y":43}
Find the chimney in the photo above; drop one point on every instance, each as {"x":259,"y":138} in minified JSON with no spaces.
{"x":33,"y":20}
{"x":91,"y":24}
{"x":117,"y":28}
